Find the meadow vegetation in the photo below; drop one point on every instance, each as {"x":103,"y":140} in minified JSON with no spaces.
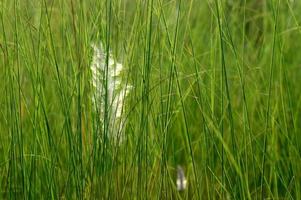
{"x":214,"y":90}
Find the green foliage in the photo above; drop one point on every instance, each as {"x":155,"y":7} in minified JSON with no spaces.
{"x":215,"y":90}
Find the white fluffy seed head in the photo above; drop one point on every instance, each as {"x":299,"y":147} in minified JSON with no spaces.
{"x":109,"y":90}
{"x":181,"y":179}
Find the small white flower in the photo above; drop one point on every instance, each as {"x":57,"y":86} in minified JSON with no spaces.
{"x":109,"y":86}
{"x":181,"y":179}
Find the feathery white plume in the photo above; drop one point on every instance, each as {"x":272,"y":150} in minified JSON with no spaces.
{"x":108,"y":85}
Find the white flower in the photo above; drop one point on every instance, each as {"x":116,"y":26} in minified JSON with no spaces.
{"x":109,"y":86}
{"x":181,"y":179}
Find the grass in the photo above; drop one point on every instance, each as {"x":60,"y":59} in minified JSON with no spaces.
{"x":215,"y":90}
